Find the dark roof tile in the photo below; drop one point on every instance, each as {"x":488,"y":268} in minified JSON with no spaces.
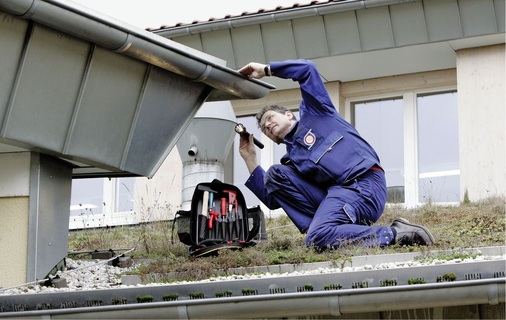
{"x":245,"y":13}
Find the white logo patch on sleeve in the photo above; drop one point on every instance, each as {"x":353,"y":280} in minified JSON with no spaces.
{"x":309,"y":139}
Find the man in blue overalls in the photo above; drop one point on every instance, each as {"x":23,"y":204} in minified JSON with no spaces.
{"x":330,"y":182}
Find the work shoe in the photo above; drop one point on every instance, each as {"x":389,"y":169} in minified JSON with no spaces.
{"x":411,"y":234}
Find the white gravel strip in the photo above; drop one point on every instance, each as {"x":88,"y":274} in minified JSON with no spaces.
{"x":97,"y":274}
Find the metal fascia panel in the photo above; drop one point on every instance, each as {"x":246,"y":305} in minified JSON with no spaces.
{"x":106,"y":108}
{"x":442,"y":19}
{"x":272,"y":33}
{"x":342,"y":33}
{"x":162,"y":116}
{"x":408,"y":24}
{"x":47,"y":88}
{"x":310,"y":37}
{"x":247,"y":45}
{"x":477,"y":17}
{"x":375,"y":28}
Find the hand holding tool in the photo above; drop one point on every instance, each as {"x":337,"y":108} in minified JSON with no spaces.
{"x":241,"y":129}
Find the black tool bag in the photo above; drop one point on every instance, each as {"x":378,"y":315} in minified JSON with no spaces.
{"x":218,"y":219}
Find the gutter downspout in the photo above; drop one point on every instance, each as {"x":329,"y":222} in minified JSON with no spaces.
{"x":335,"y":303}
{"x":139,"y":44}
{"x":276,"y":16}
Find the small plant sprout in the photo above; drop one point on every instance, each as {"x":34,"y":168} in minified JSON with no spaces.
{"x":221,"y":294}
{"x":170,"y":297}
{"x":334,"y":286}
{"x":249,"y":292}
{"x":388,"y":283}
{"x":116,"y":301}
{"x":196,"y":295}
{"x":360,"y":285}
{"x":447,"y":277}
{"x":144,"y":299}
{"x":68,"y":304}
{"x":40,"y":306}
{"x":416,"y":281}
{"x":306,"y":287}
{"x":94,"y":303}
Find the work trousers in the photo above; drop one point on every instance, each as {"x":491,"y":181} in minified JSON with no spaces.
{"x":332,"y":215}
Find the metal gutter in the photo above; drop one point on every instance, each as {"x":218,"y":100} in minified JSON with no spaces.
{"x":274,"y":16}
{"x":334,"y":303}
{"x":477,"y":283}
{"x":137,"y":43}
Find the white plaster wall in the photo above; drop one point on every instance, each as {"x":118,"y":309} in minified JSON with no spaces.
{"x":482,"y":121}
{"x":13,"y":240}
{"x":159,"y":198}
{"x":14,"y":174}
{"x":14,"y":204}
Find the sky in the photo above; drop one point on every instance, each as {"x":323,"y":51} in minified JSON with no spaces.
{"x":155,"y":13}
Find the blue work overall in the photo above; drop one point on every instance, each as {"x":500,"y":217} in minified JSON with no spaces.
{"x":330,"y":182}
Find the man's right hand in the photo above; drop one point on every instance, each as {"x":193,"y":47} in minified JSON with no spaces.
{"x":248,"y":152}
{"x":254,"y":70}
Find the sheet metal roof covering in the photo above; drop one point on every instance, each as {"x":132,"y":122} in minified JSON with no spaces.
{"x":111,"y":98}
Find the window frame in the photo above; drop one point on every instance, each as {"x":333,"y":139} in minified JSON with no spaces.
{"x":109,"y":216}
{"x":410,"y":127}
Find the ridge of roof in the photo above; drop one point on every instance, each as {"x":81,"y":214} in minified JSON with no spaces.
{"x":245,"y":14}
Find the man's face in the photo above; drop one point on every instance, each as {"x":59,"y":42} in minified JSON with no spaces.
{"x":276,"y":125}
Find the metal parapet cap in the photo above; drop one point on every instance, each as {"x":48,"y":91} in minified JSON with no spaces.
{"x":140,"y":44}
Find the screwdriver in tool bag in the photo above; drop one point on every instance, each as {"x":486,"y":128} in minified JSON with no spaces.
{"x":201,"y":229}
{"x":232,"y":204}
{"x":223,"y":208}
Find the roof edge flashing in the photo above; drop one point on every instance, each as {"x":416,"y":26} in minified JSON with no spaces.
{"x":276,"y":16}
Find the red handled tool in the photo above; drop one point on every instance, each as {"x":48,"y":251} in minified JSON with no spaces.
{"x":233,"y":209}
{"x":213,"y":216}
{"x":224,"y":217}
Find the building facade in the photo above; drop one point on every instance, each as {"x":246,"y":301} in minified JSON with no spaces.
{"x":423,"y":81}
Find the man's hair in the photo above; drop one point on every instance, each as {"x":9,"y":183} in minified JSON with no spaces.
{"x":272,"y":107}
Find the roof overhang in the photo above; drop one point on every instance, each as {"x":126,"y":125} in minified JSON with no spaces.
{"x":118,"y":98}
{"x":351,"y":40}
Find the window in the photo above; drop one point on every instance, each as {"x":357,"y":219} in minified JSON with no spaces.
{"x":416,"y":138}
{"x":438,"y":148}
{"x":100,"y":202}
{"x":124,"y":195}
{"x":87,"y":197}
{"x":381,"y":124}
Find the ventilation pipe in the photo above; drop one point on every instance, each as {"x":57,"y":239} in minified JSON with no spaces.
{"x":204,"y":146}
